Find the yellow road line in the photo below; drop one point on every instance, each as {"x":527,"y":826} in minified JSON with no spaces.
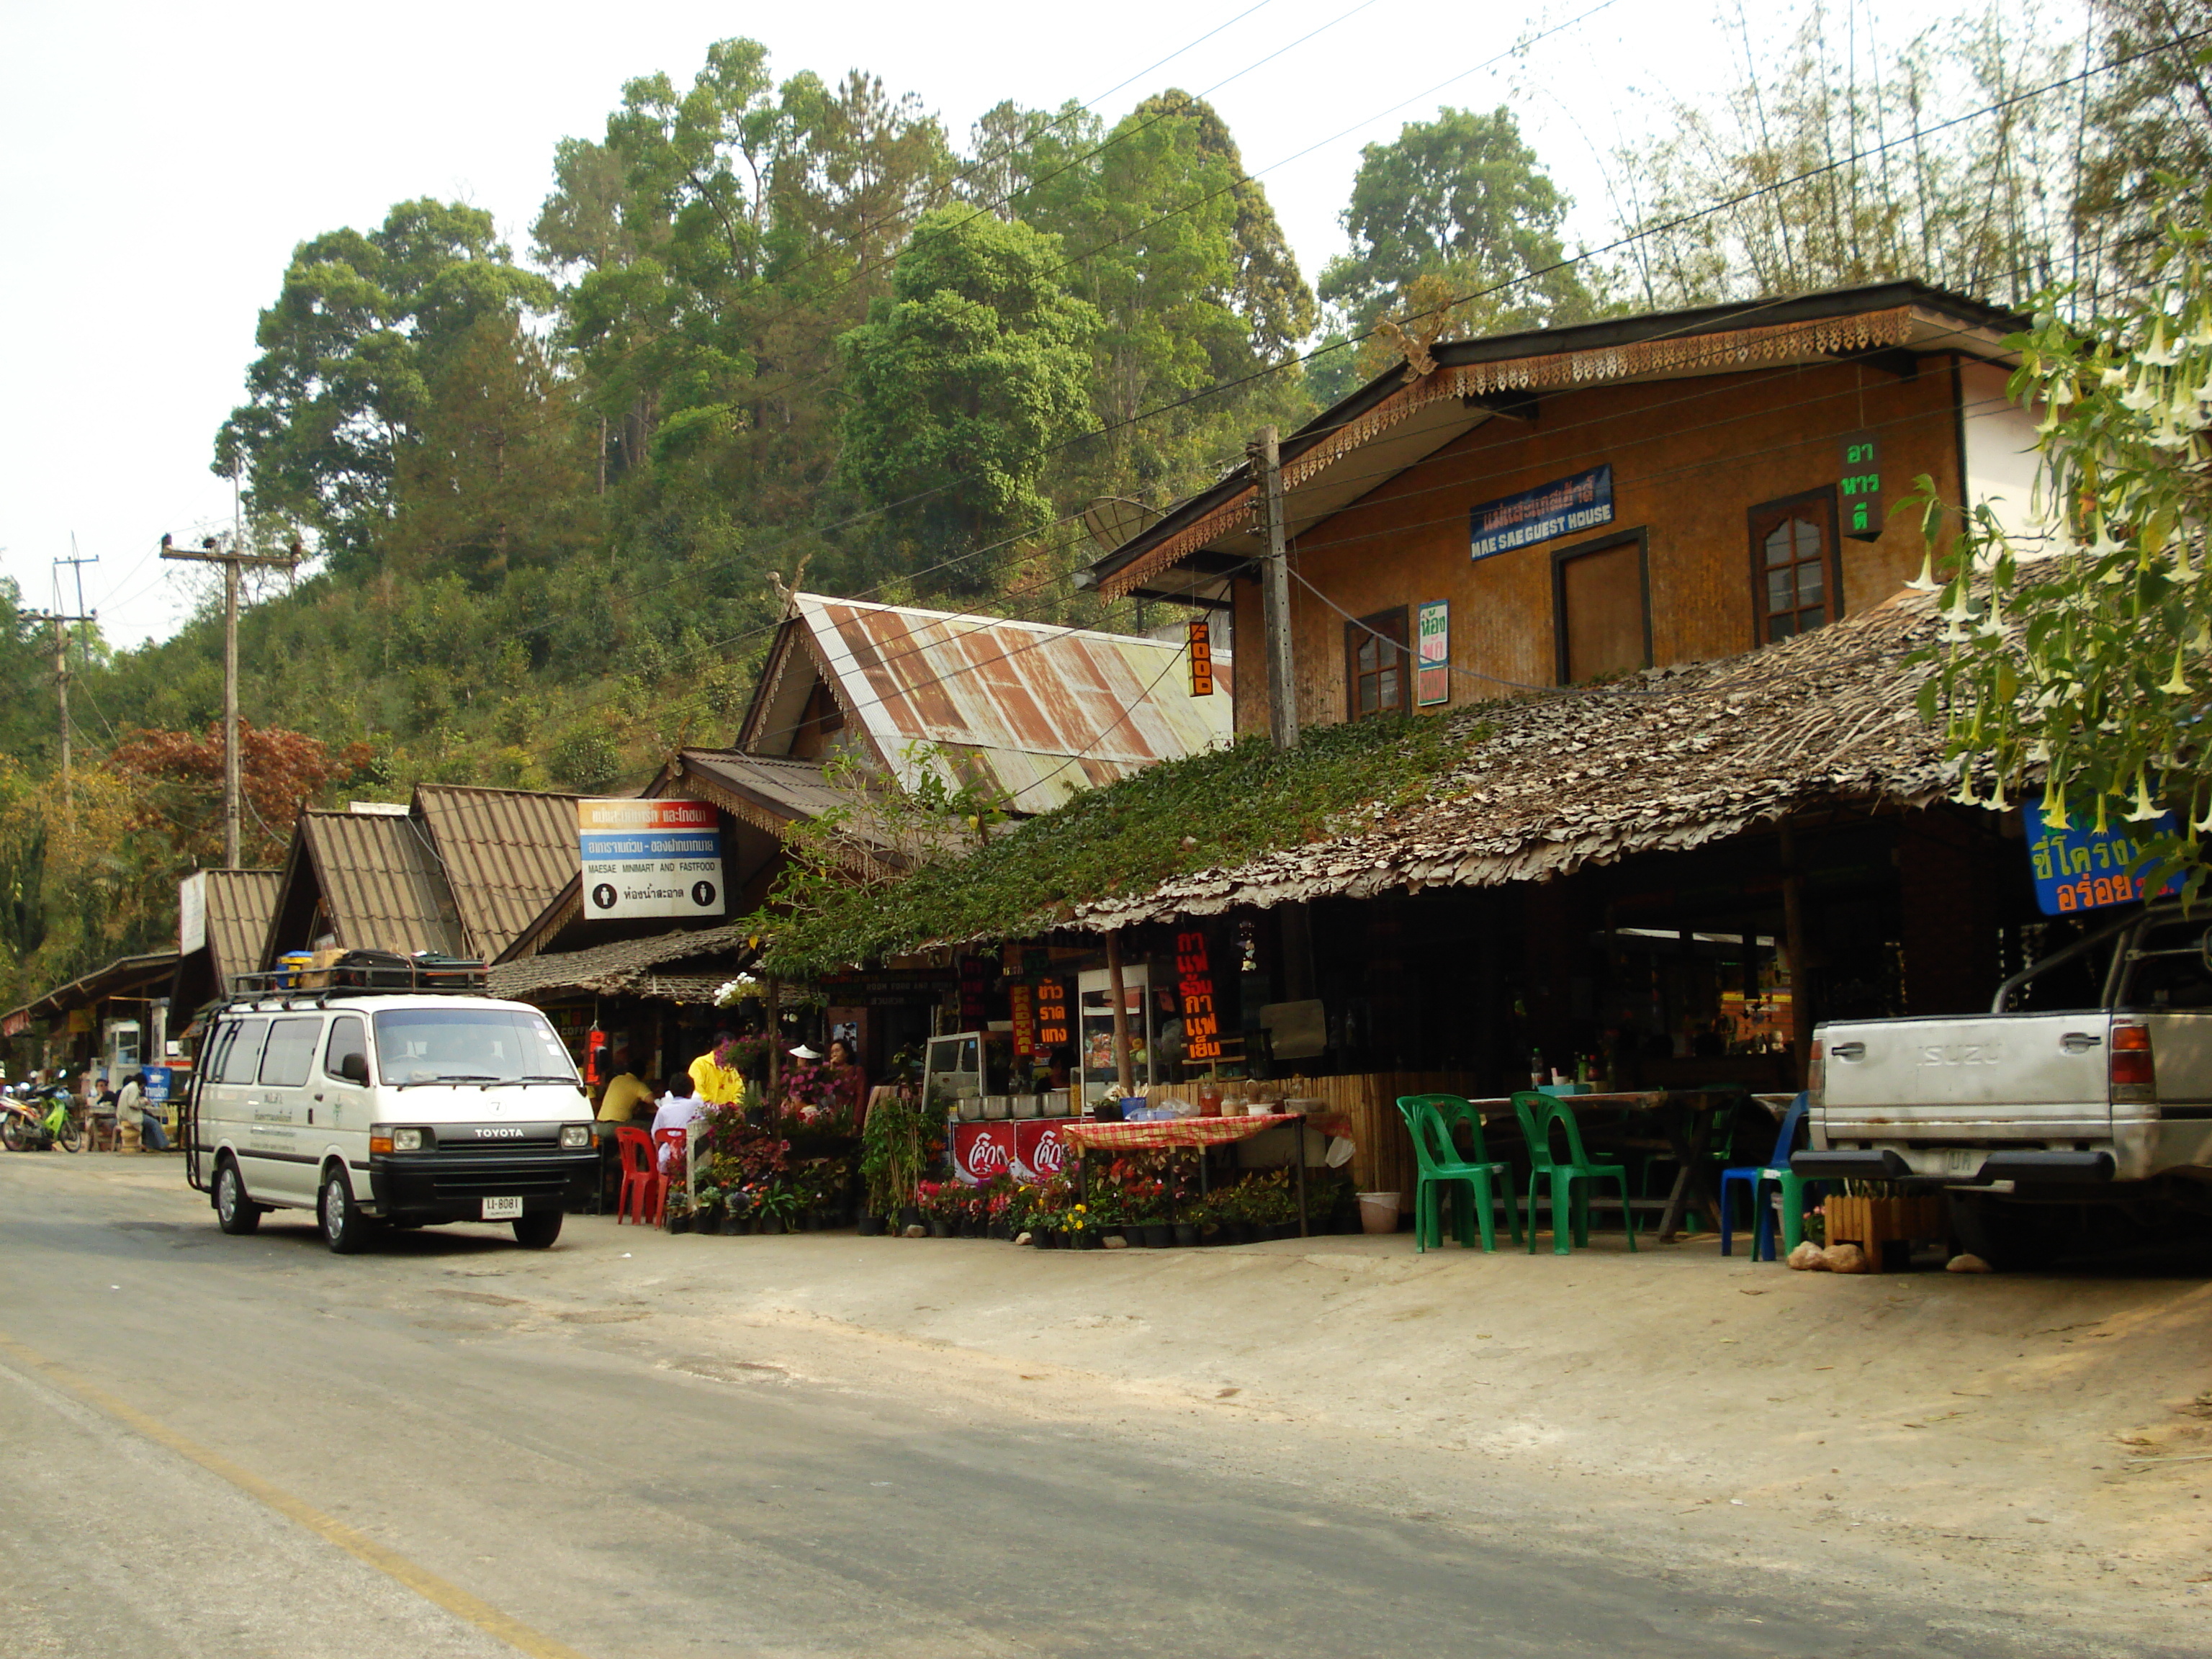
{"x":428,"y":1585}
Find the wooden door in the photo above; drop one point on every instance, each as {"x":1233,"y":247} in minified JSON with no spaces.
{"x":1603,"y":626}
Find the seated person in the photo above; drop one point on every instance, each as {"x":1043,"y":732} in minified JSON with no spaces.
{"x":677,"y":1108}
{"x":623,"y":1096}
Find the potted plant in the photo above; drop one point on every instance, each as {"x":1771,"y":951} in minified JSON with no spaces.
{"x":891,"y":1157}
{"x":679,"y":1214}
{"x":776,"y":1203}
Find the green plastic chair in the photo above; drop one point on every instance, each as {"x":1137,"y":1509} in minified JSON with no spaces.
{"x":1571,"y":1176}
{"x":1431,"y":1119}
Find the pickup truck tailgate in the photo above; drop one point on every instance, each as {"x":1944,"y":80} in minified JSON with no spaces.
{"x":2038,"y":1077}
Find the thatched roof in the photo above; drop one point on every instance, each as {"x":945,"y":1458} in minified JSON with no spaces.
{"x":640,"y":966}
{"x":1670,"y":758}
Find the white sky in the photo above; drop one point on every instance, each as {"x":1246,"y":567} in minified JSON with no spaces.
{"x":158,"y":162}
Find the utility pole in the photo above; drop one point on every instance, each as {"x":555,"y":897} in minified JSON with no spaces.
{"x":61,"y":626}
{"x":230,"y":558}
{"x":1295,"y":924}
{"x":1275,"y":593}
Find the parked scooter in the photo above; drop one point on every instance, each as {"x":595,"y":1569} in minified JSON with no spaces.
{"x":47,"y":1118}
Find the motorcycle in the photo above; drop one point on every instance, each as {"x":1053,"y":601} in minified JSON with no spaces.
{"x":46,"y":1119}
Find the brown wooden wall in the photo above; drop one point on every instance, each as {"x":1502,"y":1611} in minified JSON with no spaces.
{"x":1690,"y":458}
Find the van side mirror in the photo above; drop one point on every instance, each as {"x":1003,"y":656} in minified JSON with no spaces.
{"x":354,"y":1068}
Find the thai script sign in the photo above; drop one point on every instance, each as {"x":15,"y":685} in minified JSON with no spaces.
{"x":1860,"y":486}
{"x":1432,"y":652}
{"x":1052,"y":1031}
{"x":2084,"y":869}
{"x":650,"y":858}
{"x":1201,"y":1024}
{"x":1581,"y":502}
{"x":1021,"y":1004}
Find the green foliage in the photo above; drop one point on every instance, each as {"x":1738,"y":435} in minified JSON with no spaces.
{"x":2150,"y":124}
{"x":891,"y":1152}
{"x":964,"y":381}
{"x":1215,"y":808}
{"x":2087,"y":653}
{"x":1462,"y":199}
{"x":349,"y":355}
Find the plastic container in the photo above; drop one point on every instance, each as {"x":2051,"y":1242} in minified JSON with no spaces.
{"x":294,"y":966}
{"x":1379,"y":1211}
{"x":1209,"y":1100}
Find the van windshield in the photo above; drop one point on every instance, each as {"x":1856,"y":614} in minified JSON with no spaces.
{"x":469,"y":1045}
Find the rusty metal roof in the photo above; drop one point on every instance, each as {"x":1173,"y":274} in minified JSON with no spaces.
{"x":380,"y":882}
{"x":239,"y":903}
{"x":508,"y":854}
{"x":1045,"y":711}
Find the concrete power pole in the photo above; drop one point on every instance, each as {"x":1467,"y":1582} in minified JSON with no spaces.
{"x":1275,"y":594}
{"x":1295,"y":924}
{"x":210,"y":552}
{"x":62,"y":625}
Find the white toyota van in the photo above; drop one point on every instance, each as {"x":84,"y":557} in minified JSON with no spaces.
{"x":387,"y":1107}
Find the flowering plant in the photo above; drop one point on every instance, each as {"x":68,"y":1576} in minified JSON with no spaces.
{"x":731,"y":991}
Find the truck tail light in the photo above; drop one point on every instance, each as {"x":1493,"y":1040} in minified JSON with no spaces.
{"x":2134,"y":1072}
{"x":1816,"y":1074}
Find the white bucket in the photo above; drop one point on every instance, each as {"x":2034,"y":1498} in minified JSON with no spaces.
{"x":1379,"y":1211}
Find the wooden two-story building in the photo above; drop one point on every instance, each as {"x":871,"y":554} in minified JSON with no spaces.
{"x":1679,"y":870}
{"x":1548,"y":508}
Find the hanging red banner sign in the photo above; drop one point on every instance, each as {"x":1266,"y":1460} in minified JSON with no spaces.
{"x":1020,"y":998}
{"x":1201,"y":657}
{"x":1201,"y":1024}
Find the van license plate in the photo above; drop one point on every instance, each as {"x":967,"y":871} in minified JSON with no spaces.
{"x":1960,"y":1160}
{"x":501,"y":1209}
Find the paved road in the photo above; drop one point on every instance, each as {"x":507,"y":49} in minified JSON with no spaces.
{"x":248,"y":1447}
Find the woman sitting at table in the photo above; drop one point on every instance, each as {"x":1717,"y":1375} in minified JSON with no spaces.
{"x":677,"y":1108}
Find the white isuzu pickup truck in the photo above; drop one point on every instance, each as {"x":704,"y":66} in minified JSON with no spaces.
{"x":2077,"y":1115}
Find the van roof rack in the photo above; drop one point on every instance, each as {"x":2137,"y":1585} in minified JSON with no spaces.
{"x":360,"y":973}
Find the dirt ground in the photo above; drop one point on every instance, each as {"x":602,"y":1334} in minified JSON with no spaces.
{"x":2038,"y":1445}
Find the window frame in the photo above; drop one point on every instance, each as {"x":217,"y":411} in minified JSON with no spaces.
{"x":1823,"y":498}
{"x":1563,"y":556}
{"x":1355,"y":633}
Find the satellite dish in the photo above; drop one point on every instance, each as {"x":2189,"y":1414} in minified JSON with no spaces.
{"x":1113,"y":520}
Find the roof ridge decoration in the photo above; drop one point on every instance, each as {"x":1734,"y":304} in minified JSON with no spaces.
{"x":1863,"y":330}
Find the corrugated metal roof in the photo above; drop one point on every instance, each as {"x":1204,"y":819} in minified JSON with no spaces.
{"x":508,"y":854}
{"x":381,"y":884}
{"x":1046,"y":711}
{"x":239,"y":903}
{"x":785,"y":789}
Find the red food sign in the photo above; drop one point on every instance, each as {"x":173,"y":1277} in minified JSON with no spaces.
{"x":1021,"y":999}
{"x":1051,"y":1016}
{"x":1201,"y":1022}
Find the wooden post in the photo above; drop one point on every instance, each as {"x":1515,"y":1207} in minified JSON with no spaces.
{"x":1275,"y":595}
{"x":1793,"y":941}
{"x":1123,"y":1066}
{"x":774,"y":1037}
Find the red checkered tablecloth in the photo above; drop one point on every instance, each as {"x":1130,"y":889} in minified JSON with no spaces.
{"x":1195,"y":1131}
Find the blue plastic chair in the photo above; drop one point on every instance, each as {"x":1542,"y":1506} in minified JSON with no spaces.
{"x":1756,"y":1177}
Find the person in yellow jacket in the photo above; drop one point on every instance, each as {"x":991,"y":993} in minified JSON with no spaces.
{"x":716,"y":1080}
{"x":624,"y":1092}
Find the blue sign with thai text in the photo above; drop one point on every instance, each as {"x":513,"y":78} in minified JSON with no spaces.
{"x":1581,"y":502}
{"x":2080,"y":869}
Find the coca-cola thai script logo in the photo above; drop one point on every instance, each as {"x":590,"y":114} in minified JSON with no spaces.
{"x":1039,"y":1151}
{"x":981,"y":1150}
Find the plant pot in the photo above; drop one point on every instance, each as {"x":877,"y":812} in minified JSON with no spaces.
{"x":1157,"y":1235}
{"x":1186,"y":1234}
{"x":999,"y":1230}
{"x":939,"y":1228}
{"x":679,"y":1224}
{"x":771,"y":1224}
{"x":872,"y":1227}
{"x":736,"y":1226}
{"x":970,"y":1228}
{"x":909,"y":1216}
{"x":1089,"y":1240}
